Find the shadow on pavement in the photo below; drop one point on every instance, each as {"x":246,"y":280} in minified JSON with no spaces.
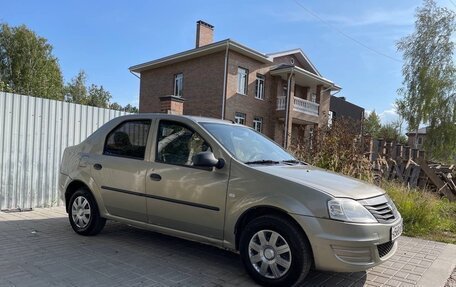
{"x":46,"y":252}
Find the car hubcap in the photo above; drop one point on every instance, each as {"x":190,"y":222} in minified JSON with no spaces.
{"x":269,"y":254}
{"x":80,"y":212}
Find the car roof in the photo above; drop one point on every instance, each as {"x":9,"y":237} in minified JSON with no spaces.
{"x":175,"y":117}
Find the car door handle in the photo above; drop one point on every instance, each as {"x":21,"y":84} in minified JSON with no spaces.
{"x":97,"y":166}
{"x":155,"y":177}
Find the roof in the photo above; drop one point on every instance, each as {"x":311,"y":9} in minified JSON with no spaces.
{"x":421,"y":131}
{"x":201,"y":51}
{"x":338,"y":100}
{"x":302,"y":57}
{"x":284,"y":69}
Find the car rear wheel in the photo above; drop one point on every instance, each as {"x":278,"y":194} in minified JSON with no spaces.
{"x":83,"y":213}
{"x":275,"y":252}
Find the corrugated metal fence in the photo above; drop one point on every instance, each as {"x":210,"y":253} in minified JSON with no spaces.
{"x":33,"y":134}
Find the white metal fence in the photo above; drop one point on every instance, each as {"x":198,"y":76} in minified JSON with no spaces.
{"x":33,"y":134}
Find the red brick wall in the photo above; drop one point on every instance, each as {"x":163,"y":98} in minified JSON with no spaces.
{"x":204,"y":35}
{"x":202,"y":85}
{"x":247,"y":103}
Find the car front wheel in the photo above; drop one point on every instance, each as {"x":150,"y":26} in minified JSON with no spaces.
{"x":275,"y":252}
{"x":83,"y":213}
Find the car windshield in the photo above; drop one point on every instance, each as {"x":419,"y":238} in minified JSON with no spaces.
{"x":247,"y":145}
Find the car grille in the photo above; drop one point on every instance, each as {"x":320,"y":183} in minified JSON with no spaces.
{"x":385,"y":248}
{"x":382,"y":212}
{"x":382,"y":208}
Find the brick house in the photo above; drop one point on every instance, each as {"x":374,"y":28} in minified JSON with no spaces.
{"x":281,"y":95}
{"x":416,"y":138}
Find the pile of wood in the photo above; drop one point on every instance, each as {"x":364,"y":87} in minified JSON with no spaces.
{"x":430,"y":176}
{"x":445,"y":182}
{"x":409,"y":166}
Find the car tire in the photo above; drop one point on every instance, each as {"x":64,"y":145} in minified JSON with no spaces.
{"x":275,"y":252}
{"x":83,"y":213}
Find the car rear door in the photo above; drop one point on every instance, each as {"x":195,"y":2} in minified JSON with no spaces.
{"x":120,"y":171}
{"x":179,"y":195}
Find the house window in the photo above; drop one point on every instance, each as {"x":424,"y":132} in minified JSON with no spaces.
{"x":420,"y":140}
{"x":258,"y":124}
{"x":239,"y":118}
{"x":243,"y":77}
{"x":259,"y":89}
{"x":178,"y":84}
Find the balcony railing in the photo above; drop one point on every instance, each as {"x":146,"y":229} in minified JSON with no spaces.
{"x":299,"y":105}
{"x":306,"y":107}
{"x":281,"y":101}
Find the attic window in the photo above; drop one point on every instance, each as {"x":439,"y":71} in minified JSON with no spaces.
{"x":292,"y":61}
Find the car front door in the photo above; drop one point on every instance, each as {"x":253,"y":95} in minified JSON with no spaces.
{"x":179,"y":195}
{"x":120,"y":171}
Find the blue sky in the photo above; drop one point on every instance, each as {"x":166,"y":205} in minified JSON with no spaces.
{"x":104,"y":38}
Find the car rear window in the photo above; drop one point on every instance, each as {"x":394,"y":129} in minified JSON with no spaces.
{"x":129,"y":139}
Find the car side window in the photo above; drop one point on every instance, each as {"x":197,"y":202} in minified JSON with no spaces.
{"x":177,"y":144}
{"x":129,"y":139}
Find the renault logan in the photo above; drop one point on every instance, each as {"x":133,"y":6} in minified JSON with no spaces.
{"x":226,"y":185}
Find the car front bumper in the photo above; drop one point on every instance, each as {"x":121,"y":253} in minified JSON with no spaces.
{"x":348,"y":247}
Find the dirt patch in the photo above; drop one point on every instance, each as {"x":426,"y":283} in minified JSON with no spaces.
{"x":452,"y":280}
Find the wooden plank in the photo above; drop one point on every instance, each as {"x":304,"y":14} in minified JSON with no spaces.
{"x":416,"y":170}
{"x":441,"y":186}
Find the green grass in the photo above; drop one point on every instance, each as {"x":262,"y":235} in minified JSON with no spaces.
{"x":425,"y":215}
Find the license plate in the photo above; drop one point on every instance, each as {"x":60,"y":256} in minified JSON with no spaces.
{"x":396,"y":231}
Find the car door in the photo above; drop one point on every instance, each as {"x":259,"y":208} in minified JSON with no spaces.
{"x":120,"y":171}
{"x":179,"y":195}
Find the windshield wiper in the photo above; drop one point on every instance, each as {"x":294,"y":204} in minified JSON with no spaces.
{"x":264,"y":161}
{"x":293,"y":161}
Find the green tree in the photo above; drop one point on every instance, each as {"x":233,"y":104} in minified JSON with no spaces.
{"x":76,"y":90}
{"x":4,"y":87}
{"x":429,"y":84}
{"x":372,"y":124}
{"x":390,"y":132}
{"x":131,"y":109}
{"x":98,"y":97}
{"x":115,"y":106}
{"x":27,"y":65}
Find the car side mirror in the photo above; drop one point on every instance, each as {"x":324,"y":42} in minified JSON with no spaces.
{"x":207,"y":159}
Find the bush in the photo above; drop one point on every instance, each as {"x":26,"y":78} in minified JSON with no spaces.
{"x":338,"y":148}
{"x":424,"y":214}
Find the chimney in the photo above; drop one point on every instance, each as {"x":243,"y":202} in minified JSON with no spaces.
{"x":172,"y":105}
{"x":204,"y":33}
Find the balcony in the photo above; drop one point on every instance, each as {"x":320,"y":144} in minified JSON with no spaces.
{"x":299,"y":105}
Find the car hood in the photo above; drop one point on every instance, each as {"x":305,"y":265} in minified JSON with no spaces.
{"x":331,"y":183}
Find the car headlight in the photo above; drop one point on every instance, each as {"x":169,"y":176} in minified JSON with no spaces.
{"x":349,"y":210}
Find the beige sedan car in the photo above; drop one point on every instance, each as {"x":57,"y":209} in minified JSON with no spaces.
{"x":227,"y":185}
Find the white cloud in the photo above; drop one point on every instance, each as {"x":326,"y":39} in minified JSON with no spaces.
{"x":388,"y":116}
{"x":404,"y":17}
{"x":379,"y":17}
